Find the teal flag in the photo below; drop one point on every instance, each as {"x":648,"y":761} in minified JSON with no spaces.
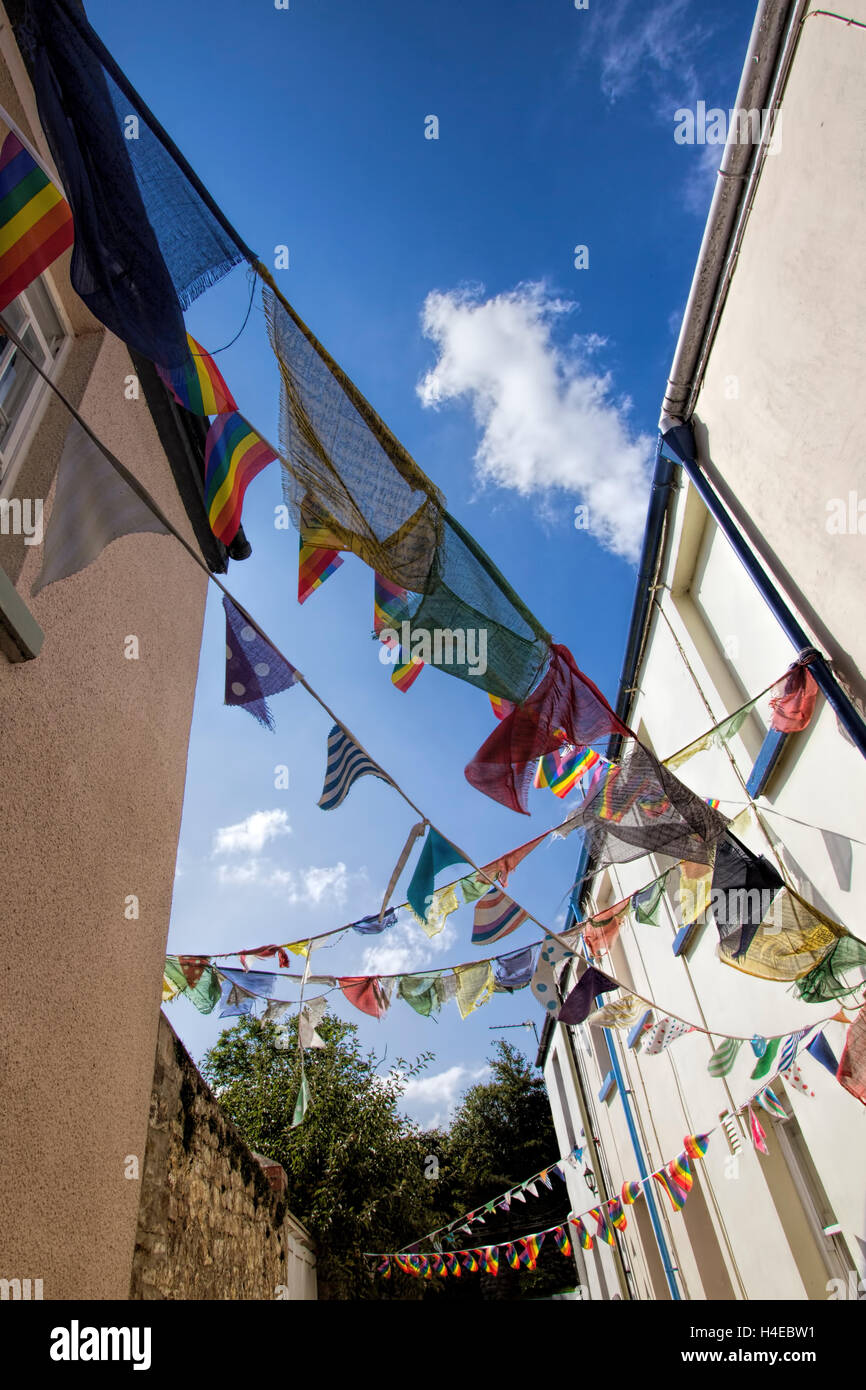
{"x":437,"y":854}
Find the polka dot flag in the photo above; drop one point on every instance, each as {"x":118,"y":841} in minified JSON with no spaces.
{"x":253,"y":668}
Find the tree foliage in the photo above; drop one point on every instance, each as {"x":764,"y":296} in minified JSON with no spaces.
{"x":356,"y":1167}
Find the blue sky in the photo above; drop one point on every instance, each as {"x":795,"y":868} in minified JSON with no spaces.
{"x":440,"y":274}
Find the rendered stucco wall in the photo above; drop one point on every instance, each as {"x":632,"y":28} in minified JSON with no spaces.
{"x":94,"y":759}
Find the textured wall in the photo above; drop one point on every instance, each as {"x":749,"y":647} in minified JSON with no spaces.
{"x":213,"y":1223}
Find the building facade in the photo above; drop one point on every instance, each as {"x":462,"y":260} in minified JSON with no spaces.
{"x":765,"y":372}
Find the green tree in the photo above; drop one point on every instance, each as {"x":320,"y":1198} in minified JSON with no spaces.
{"x":502,"y":1133}
{"x":358,"y":1171}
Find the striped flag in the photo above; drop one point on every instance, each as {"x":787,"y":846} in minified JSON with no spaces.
{"x":199,"y":384}
{"x":346,"y":763}
{"x":771,"y":1103}
{"x":789,"y":1048}
{"x":560,"y":1235}
{"x":501,"y":708}
{"x":496,"y":915}
{"x":561,"y":771}
{"x":234,"y":454}
{"x":316,"y":563}
{"x":676,"y":1193}
{"x":584,"y":1239}
{"x":35,"y":220}
{"x":93,"y":506}
{"x":724,"y":1057}
{"x":390,"y":610}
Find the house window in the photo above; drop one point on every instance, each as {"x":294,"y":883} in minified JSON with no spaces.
{"x":36,"y":320}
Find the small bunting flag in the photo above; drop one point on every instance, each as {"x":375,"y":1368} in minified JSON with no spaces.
{"x":771,"y":1103}
{"x":631,"y":1191}
{"x":676,"y":1194}
{"x":759,"y":1138}
{"x":254,"y":669}
{"x":347,"y":761}
{"x":390,"y":611}
{"x":724,"y":1057}
{"x":501,"y":708}
{"x":584,"y":1239}
{"x":617,"y":1215}
{"x":198,"y":385}
{"x":696,"y":1145}
{"x":234,"y":455}
{"x":794,"y":1077}
{"x":561,"y":771}
{"x":316,"y":563}
{"x":666,"y":1031}
{"x":563,"y":1243}
{"x":681,"y":1173}
{"x":496,"y":915}
{"x":491,"y":1263}
{"x":605,"y":1230}
{"x":512,"y":1259}
{"x":384,"y":1268}
{"x":35,"y":220}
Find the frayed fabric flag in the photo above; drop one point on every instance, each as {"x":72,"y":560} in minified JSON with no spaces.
{"x":198,"y":385}
{"x":235,"y":1002}
{"x":724,"y":1057}
{"x":365,"y":992}
{"x":35,"y":220}
{"x":759,"y":1138}
{"x":579,"y":1003}
{"x":444,"y":902}
{"x":514,"y":971}
{"x":310,"y":1017}
{"x":437,"y":853}
{"x":196,"y":979}
{"x":254,"y":669}
{"x":645,"y":903}
{"x":603,"y":928}
{"x":474,"y":986}
{"x":496,"y":916}
{"x":619,"y":1013}
{"x":234,"y":455}
{"x":851,"y":1073}
{"x":93,"y":506}
{"x":372,"y":925}
{"x":421,"y":992}
{"x":347,"y":761}
{"x":794,"y":704}
{"x":473,"y":887}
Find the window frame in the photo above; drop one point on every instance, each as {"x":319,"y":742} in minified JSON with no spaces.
{"x":25,"y":425}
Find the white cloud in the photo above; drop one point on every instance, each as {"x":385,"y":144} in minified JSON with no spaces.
{"x":251,"y":835}
{"x":658,"y":41}
{"x":440,"y":1093}
{"x":404,"y":949}
{"x":312,"y":887}
{"x":549,"y":423}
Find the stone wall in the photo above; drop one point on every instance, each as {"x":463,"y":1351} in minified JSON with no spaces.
{"x":213,"y":1223}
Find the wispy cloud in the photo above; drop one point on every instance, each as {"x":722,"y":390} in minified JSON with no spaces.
{"x":404,"y":949}
{"x":251,"y":835}
{"x":316,"y":886}
{"x":548,"y":419}
{"x":653,"y":43}
{"x":432,"y":1100}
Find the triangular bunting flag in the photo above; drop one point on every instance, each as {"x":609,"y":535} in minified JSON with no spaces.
{"x":724,"y":1057}
{"x":253,"y":668}
{"x":234,"y":455}
{"x":759,"y":1138}
{"x":347,"y":761}
{"x":198,"y":385}
{"x":496,"y":915}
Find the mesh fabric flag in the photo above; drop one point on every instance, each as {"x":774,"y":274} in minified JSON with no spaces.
{"x":436,"y":853}
{"x":35,"y":221}
{"x":825,"y":981}
{"x":496,"y":915}
{"x":93,"y":506}
{"x":234,"y":454}
{"x":724,"y":1057}
{"x":347,"y":761}
{"x":791,"y":941}
{"x":198,"y":385}
{"x":743,"y":890}
{"x":146,"y":241}
{"x":645,"y":903}
{"x":852,"y":1064}
{"x":565,"y":701}
{"x":254,"y":669}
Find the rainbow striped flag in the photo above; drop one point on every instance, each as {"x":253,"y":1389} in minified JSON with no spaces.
{"x":631,"y":1191}
{"x":681,"y":1173}
{"x":583,"y":1236}
{"x":470,"y":1260}
{"x":501,"y":708}
{"x":605,"y":1230}
{"x":531,"y":1250}
{"x":675,"y":1192}
{"x":233,"y":456}
{"x":390,"y":609}
{"x":696,"y":1145}
{"x":491,"y":1259}
{"x":315,"y":565}
{"x":572,"y":768}
{"x":713,"y":801}
{"x":563,"y":1244}
{"x":405,"y":673}
{"x":512,"y":1258}
{"x":617,"y":1215}
{"x":199,"y":385}
{"x":384,"y":1268}
{"x":35,"y":220}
